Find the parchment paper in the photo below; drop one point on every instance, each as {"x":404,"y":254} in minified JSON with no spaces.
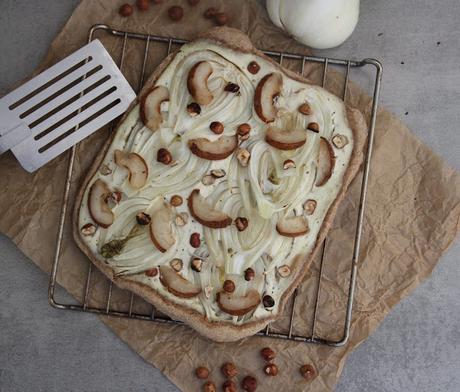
{"x":411,"y":218}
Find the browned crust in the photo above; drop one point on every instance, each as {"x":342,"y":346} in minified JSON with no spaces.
{"x":222,"y":331}
{"x":212,"y":224}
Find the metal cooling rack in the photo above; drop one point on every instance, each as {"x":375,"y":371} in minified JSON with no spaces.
{"x":348,"y":65}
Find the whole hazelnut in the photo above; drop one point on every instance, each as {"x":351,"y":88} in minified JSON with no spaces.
{"x":229,"y":286}
{"x":229,"y":370}
{"x":249,"y":274}
{"x":152,"y":272}
{"x":193,"y":109}
{"x":314,"y":127}
{"x":143,"y":5}
{"x":176,"y":200}
{"x":143,"y":219}
{"x":229,"y":386}
{"x":267,"y":354}
{"x":164,"y":156}
{"x":216,"y":127}
{"x":210,"y":13}
{"x":88,"y":230}
{"x":193,"y":2}
{"x":268,"y":301}
{"x":249,"y":384}
{"x":241,"y":223}
{"x":304,"y":109}
{"x":271,"y":369}
{"x":176,"y":13}
{"x":126,"y":10}
{"x":253,"y":67}
{"x":308,"y":372}
{"x":243,"y":129}
{"x":202,"y":372}
{"x":221,"y":19}
{"x":195,"y":241}
{"x":209,"y":387}
{"x":232,"y":88}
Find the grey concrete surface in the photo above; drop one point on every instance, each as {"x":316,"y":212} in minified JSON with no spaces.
{"x":417,"y":347}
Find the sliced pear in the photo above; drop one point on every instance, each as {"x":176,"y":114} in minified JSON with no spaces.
{"x":285,"y":140}
{"x":238,"y":305}
{"x":150,"y":107}
{"x":214,"y":151}
{"x":293,"y":226}
{"x":177,"y":284}
{"x":136,"y":166}
{"x":204,"y":213}
{"x":266,"y":91}
{"x":97,"y":204}
{"x":326,"y":162}
{"x":161,"y":232}
{"x":197,"y":82}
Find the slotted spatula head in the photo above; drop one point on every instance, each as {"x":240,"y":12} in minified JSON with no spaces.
{"x":63,"y":105}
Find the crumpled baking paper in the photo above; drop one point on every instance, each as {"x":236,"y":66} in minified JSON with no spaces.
{"x":411,"y":217}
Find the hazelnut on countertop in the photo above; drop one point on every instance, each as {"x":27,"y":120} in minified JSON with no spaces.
{"x":271,"y":369}
{"x":267,"y":354}
{"x":209,"y":387}
{"x":202,"y":372}
{"x":249,"y":384}
{"x":308,"y":372}
{"x":126,"y":10}
{"x":176,"y":13}
{"x":229,"y":370}
{"x":229,"y":386}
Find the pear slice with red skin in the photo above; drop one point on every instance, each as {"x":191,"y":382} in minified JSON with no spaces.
{"x":97,"y":204}
{"x":150,"y":108}
{"x":285,"y":140}
{"x":161,"y":232}
{"x":177,"y":284}
{"x":197,"y":83}
{"x":216,"y":150}
{"x":238,"y":305}
{"x":326,"y":162}
{"x":136,"y":166}
{"x":266,"y":91}
{"x":292,"y":226}
{"x":204,"y":213}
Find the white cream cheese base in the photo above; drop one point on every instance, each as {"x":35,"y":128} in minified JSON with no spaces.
{"x":244,"y":191}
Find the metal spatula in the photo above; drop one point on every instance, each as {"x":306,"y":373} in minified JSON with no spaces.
{"x":63,"y":105}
